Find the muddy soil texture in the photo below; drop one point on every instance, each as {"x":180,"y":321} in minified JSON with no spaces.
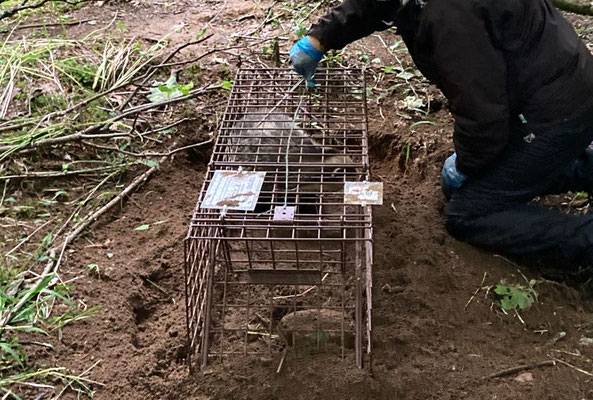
{"x":438,"y":331}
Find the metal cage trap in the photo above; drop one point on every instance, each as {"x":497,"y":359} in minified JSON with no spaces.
{"x":279,"y":250}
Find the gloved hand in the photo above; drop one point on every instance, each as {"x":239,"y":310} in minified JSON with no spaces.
{"x":304,"y":57}
{"x":451,"y":178}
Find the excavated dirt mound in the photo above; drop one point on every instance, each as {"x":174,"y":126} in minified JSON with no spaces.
{"x":437,"y":333}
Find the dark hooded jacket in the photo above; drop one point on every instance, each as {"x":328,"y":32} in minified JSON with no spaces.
{"x":493,"y":60}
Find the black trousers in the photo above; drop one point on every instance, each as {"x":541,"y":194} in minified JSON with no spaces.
{"x":492,"y":211}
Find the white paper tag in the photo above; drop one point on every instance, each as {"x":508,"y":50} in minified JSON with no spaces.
{"x":363,"y":193}
{"x":234,"y":190}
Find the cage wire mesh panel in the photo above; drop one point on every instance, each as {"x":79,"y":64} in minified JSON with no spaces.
{"x":293,"y":270}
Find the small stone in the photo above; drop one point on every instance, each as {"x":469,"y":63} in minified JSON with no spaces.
{"x":524,"y":377}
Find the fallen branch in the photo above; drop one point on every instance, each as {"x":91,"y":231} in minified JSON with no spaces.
{"x":86,"y":222}
{"x":514,"y":370}
{"x":42,"y":25}
{"x":147,"y":154}
{"x":85,"y":102}
{"x":155,"y":68}
{"x":57,"y":174}
{"x":54,"y":264}
{"x":210,"y":52}
{"x":9,"y":13}
{"x":87,"y":133}
{"x":16,"y":10}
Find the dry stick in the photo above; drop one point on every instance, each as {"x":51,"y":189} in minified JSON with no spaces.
{"x":74,"y":107}
{"x":572,"y":366}
{"x":154,"y":69}
{"x":14,"y":11}
{"x":63,"y":112}
{"x":208,"y":53}
{"x":266,"y":18}
{"x":476,"y":292}
{"x":284,"y":353}
{"x":86,"y":132}
{"x":40,"y":25}
{"x":510,"y":371}
{"x":56,"y":174}
{"x":147,"y":154}
{"x":25,"y":240}
{"x":82,"y":225}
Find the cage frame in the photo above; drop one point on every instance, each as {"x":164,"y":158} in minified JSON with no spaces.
{"x":210,"y":237}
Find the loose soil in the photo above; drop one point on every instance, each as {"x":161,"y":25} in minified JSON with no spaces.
{"x":430,"y":340}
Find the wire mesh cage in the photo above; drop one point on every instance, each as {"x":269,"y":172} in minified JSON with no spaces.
{"x":286,"y":261}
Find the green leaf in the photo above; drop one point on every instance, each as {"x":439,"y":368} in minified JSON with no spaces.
{"x":10,"y":200}
{"x":200,"y":34}
{"x":227,"y":84}
{"x":149,"y":163}
{"x":405,"y":75}
{"x":514,"y":296}
{"x":8,"y":348}
{"x":163,"y":91}
{"x":184,"y":89}
{"x":300,"y":31}
{"x":389,"y":68}
{"x":142,"y":227}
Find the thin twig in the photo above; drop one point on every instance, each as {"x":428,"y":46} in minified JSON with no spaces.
{"x":95,"y":128}
{"x":86,"y":222}
{"x":41,"y":25}
{"x":477,"y":290}
{"x":154,"y":69}
{"x":513,"y":370}
{"x":147,"y":154}
{"x":57,"y":174}
{"x":25,"y":240}
{"x":14,"y":11}
{"x":208,"y":53}
{"x":265,"y":20}
{"x":582,"y":371}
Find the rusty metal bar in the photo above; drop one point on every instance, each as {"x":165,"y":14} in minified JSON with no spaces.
{"x":250,"y":272}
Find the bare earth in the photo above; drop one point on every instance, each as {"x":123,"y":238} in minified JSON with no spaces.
{"x":428,"y":344}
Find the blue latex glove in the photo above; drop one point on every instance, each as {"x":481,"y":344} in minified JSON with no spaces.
{"x":451,"y":178}
{"x":304,"y":58}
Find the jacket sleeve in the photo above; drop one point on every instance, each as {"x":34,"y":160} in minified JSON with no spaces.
{"x":353,"y":20}
{"x":472,"y":73}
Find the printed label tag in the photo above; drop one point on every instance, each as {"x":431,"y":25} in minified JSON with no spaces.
{"x":363,"y":193}
{"x":234,"y":190}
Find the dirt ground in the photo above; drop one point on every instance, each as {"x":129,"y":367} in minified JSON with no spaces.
{"x":430,"y":341}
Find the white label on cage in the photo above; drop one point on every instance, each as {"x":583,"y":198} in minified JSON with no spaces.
{"x":234,"y":190}
{"x":363,"y":193}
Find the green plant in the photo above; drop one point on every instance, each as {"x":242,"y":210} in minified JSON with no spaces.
{"x":31,"y":310}
{"x":513,"y":297}
{"x":94,"y":269}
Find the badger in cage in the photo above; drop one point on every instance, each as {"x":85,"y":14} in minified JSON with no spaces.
{"x":267,"y":139}
{"x":257,"y":284}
